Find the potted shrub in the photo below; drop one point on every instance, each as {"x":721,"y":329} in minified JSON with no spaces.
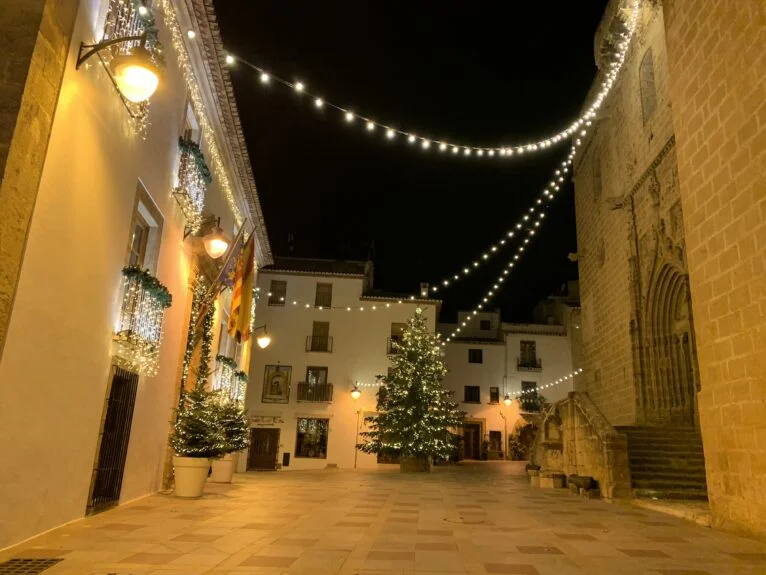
{"x":195,"y":440}
{"x":232,"y":421}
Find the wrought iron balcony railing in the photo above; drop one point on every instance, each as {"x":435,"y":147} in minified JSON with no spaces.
{"x":138,"y":328}
{"x":314,"y":392}
{"x":523,"y":364}
{"x":320,"y":343}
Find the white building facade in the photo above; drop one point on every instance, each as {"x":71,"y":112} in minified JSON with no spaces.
{"x":329,"y":332}
{"x":490,"y":360}
{"x":118,"y":188}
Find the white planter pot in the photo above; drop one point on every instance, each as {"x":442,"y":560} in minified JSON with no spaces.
{"x":223,"y":469}
{"x":190,"y":474}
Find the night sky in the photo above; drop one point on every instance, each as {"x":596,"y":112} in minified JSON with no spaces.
{"x":487,"y":74}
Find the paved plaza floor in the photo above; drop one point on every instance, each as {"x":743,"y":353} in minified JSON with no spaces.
{"x":477,"y":518}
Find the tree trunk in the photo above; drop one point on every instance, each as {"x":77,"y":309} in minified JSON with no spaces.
{"x":415,"y":465}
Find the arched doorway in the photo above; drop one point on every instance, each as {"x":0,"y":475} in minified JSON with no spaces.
{"x":669,"y":382}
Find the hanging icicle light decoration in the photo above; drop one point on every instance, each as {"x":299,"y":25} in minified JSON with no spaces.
{"x":193,"y":180}
{"x":138,"y":329}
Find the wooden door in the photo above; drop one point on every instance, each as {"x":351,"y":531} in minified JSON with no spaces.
{"x":472,"y":441}
{"x":264,"y":447}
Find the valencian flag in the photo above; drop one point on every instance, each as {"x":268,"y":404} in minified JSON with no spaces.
{"x":242,"y":292}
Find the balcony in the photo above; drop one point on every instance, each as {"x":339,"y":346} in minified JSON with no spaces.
{"x":391,"y":349}
{"x":531,"y":403}
{"x":314,"y":392}
{"x":524,"y":364}
{"x":193,"y":180}
{"x":319,"y":343}
{"x":138,"y":328}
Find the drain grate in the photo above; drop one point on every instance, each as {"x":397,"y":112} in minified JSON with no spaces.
{"x":26,"y":566}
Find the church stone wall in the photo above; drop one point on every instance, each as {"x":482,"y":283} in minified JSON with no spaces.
{"x":717,"y":60}
{"x":619,"y":167}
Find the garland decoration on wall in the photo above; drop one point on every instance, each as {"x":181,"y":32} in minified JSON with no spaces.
{"x":391,"y":133}
{"x":138,"y":329}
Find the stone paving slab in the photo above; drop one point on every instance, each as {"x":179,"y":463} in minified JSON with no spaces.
{"x":468,"y":519}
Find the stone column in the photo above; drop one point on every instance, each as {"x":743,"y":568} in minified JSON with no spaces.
{"x":36,"y":37}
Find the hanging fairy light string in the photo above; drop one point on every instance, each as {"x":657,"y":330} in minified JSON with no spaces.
{"x":283,"y":301}
{"x":526,"y":223}
{"x":548,"y":193}
{"x":423,"y":143}
{"x":533,"y":390}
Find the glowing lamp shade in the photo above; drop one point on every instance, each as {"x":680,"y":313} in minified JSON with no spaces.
{"x":136,"y":75}
{"x":356,"y":393}
{"x":507,"y":400}
{"x":263,"y":341}
{"x":216,"y":244}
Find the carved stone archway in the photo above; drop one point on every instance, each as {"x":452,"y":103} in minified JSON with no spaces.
{"x":669,"y":386}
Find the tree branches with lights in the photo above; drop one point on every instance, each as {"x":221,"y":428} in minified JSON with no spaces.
{"x":416,"y":414}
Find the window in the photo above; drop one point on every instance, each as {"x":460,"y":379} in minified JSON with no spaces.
{"x":145,"y":232}
{"x":475,"y":356}
{"x":596,"y":167}
{"x":311,"y":438}
{"x":494,"y":395}
{"x":277,"y":292}
{"x":485,"y":325}
{"x":472,"y":394}
{"x":323,"y":296}
{"x":138,"y":241}
{"x":191,"y":125}
{"x":528,"y":352}
{"x":647,"y":86}
{"x":316,"y":375}
{"x":320,"y":339}
{"x":528,"y":387}
{"x":530,"y":400}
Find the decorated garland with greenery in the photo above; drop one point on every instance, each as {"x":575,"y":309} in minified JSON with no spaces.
{"x":149,"y":284}
{"x":197,"y":431}
{"x":149,"y":25}
{"x":206,"y":347}
{"x":227,"y":361}
{"x":192,"y":148}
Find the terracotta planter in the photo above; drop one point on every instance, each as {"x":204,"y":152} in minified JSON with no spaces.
{"x":190,"y":475}
{"x":415,"y":465}
{"x":223,"y":468}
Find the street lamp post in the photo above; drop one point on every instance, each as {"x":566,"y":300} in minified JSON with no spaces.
{"x":356,"y":394}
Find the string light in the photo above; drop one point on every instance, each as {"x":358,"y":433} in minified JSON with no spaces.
{"x":195,"y":95}
{"x":609,"y":76}
{"x":559,"y":381}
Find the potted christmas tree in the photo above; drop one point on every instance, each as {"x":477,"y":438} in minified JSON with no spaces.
{"x":232,"y":422}
{"x":196,"y":439}
{"x":415,"y":414}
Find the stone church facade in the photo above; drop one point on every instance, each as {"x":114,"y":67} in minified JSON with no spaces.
{"x":640,"y":352}
{"x":670,"y":196}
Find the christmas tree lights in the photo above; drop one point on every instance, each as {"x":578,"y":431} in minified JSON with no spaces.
{"x":416,"y":415}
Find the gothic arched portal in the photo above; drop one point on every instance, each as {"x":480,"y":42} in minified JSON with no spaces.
{"x":669,"y":384}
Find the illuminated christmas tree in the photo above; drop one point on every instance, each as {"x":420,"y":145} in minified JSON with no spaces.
{"x":197,"y":431}
{"x":416,"y":416}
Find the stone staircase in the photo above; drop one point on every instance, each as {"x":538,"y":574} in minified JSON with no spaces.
{"x":666,"y":462}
